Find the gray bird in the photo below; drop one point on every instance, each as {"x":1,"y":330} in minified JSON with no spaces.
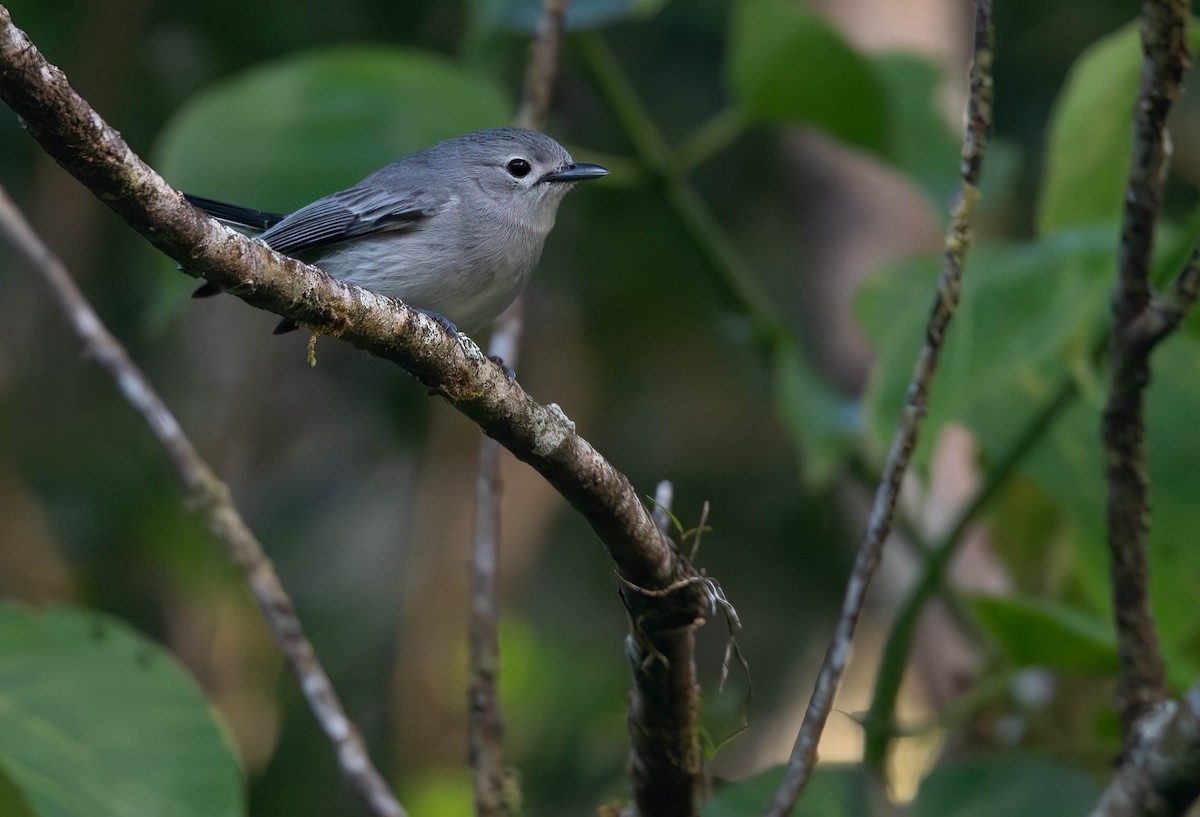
{"x":453,"y":230}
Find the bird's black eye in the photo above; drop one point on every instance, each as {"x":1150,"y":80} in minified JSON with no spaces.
{"x":519,"y":168}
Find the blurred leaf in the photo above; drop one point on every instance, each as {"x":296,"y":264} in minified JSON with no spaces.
{"x":786,"y":63}
{"x":886,"y":105}
{"x":1070,"y":469}
{"x":96,"y":720}
{"x":822,"y":422}
{"x":558,"y":700}
{"x":920,"y":142}
{"x":1023,"y":308}
{"x":1036,"y":632}
{"x":1005,"y":786}
{"x":1090,"y":134}
{"x":443,"y":794}
{"x":282,"y":134}
{"x":833,"y":792}
{"x":523,"y":15}
{"x":12,"y":802}
{"x":1026,"y":529}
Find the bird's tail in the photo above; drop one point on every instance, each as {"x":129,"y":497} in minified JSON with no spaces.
{"x":245,"y":217}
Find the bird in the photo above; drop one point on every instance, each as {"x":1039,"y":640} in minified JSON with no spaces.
{"x":454,"y":230}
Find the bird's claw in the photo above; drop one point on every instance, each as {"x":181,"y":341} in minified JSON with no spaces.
{"x":509,"y":371}
{"x":441,"y":320}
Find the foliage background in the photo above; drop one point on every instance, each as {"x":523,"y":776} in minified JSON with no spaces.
{"x":362,"y":488}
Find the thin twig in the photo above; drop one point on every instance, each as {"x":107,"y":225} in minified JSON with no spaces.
{"x":543,"y":66}
{"x":1181,"y":297}
{"x":1136,"y":328}
{"x":879,"y":724}
{"x":207,"y":494}
{"x":979,"y":112}
{"x":485,"y":726}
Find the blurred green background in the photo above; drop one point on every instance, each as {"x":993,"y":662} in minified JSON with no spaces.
{"x":735,"y":309}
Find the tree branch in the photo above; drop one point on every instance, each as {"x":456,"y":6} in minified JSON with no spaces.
{"x":1160,"y":775}
{"x":1137,"y":326}
{"x":454,"y":367}
{"x":958,"y":238}
{"x":205,"y":492}
{"x":666,"y":753}
{"x":879,"y":724}
{"x":485,"y":726}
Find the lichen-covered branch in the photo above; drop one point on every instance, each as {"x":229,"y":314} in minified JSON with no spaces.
{"x":485,"y":726}
{"x":958,"y":238}
{"x":1160,"y":775}
{"x":1136,"y":328}
{"x":210,"y":497}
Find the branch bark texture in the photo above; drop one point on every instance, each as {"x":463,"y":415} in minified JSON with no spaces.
{"x":1138,"y":324}
{"x":979,"y":113}
{"x":1160,"y":776}
{"x":210,"y":496}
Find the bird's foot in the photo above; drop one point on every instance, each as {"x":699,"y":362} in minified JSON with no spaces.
{"x":509,"y":371}
{"x":441,"y":319}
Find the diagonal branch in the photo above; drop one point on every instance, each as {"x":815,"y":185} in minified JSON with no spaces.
{"x":1137,"y":325}
{"x":666,"y":757}
{"x":958,"y":238}
{"x":485,"y":727}
{"x":205,"y":492}
{"x":453,"y":367}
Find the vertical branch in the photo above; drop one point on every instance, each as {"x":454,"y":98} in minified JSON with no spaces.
{"x":211,"y":498}
{"x":543,"y":65}
{"x":666,"y":764}
{"x":485,"y":728}
{"x":958,"y":238}
{"x":1164,"y":49}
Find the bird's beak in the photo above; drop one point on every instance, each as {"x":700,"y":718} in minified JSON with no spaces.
{"x":576,"y":172}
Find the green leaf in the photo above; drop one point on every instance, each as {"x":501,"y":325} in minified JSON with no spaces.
{"x":96,"y":720}
{"x":1090,"y":134}
{"x":920,"y":143}
{"x":523,"y":15}
{"x":282,"y":134}
{"x":1070,"y":469}
{"x":12,"y":801}
{"x":787,"y":64}
{"x":1006,"y":786}
{"x":833,"y":792}
{"x":1036,"y":632}
{"x":1026,"y":530}
{"x":822,"y":422}
{"x":1023,"y":309}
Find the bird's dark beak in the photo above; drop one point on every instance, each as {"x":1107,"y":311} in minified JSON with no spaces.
{"x":576,"y":172}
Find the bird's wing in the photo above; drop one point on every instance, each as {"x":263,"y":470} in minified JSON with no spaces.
{"x":351,"y":213}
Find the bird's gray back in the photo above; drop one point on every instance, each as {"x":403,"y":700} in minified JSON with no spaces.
{"x":427,"y":230}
